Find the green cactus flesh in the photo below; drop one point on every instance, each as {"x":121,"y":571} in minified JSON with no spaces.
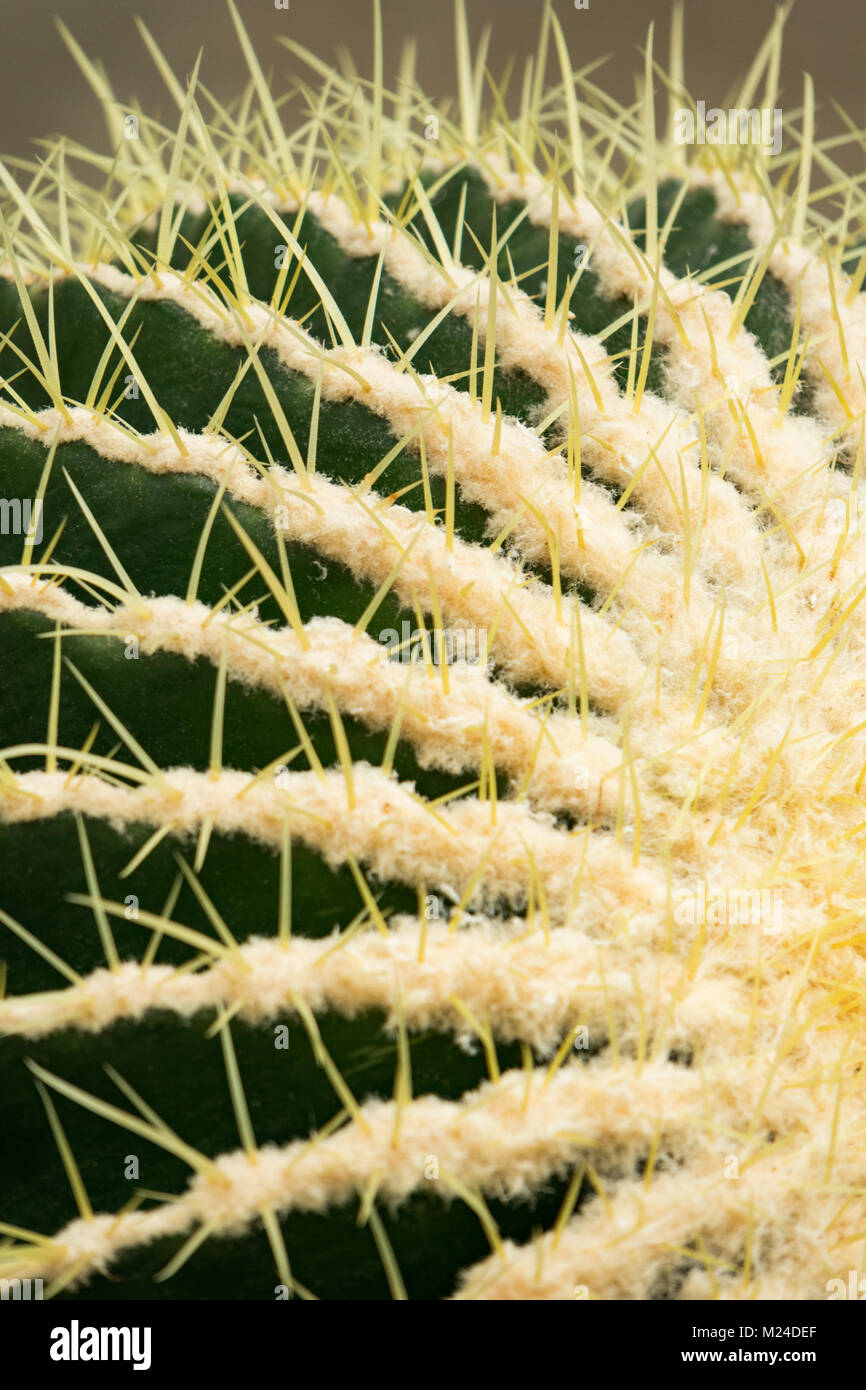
{"x":431,"y":768}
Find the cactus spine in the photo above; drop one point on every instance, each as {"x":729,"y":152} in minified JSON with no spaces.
{"x":430,"y":767}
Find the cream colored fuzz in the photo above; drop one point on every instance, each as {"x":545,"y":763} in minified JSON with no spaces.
{"x":548,"y":755}
{"x":706,"y":370}
{"x":633,"y":1247}
{"x":658,"y":585}
{"x":531,"y":643}
{"x":509,"y":483}
{"x":835,"y":332}
{"x":529,"y":986}
{"x":506,"y":1138}
{"x":783,"y":462}
{"x":483,"y":591}
{"x":524,"y":490}
{"x":835,"y":324}
{"x":476,"y":588}
{"x":468,"y":846}
{"x":617,"y":441}
{"x":629,"y":911}
{"x":785,"y":470}
{"x":690,"y":765}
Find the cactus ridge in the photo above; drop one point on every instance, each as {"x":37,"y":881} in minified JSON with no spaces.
{"x":537,"y":975}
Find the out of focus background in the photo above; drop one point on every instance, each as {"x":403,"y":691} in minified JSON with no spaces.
{"x":42,"y":93}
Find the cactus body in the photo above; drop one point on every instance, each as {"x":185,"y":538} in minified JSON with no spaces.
{"x":430,"y":768}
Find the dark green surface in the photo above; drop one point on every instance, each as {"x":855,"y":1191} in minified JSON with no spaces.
{"x":699,"y":241}
{"x":398,"y":317}
{"x":154,"y":523}
{"x":181,"y":1073}
{"x":334,"y":1257}
{"x":189,"y":372}
{"x":257,"y":727}
{"x":528,"y":247}
{"x":42,"y":862}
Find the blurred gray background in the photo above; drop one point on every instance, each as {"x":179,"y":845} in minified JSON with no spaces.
{"x":42,"y":93}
